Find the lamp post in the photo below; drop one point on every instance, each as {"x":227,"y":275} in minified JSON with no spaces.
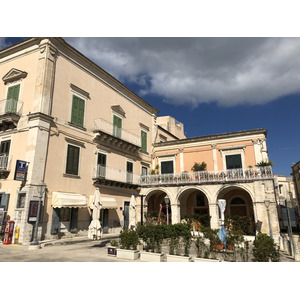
{"x":41,"y":187}
{"x":267,"y":204}
{"x":167,"y":201}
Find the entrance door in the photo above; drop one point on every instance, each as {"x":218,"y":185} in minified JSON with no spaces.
{"x":65,"y":216}
{"x":105,"y":220}
{"x":126,"y":214}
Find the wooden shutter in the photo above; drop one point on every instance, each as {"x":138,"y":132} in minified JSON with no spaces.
{"x":4,"y":148}
{"x":144,"y":140}
{"x":117,"y":125}
{"x":77,"y":117}
{"x":12,"y":99}
{"x":55,"y":221}
{"x":74,"y":219}
{"x":72,"y":160}
{"x":13,"y":92}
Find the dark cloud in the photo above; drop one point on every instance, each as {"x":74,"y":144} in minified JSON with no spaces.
{"x":230,"y":71}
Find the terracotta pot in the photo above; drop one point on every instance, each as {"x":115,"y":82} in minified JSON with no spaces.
{"x":218,"y":246}
{"x":230,"y":247}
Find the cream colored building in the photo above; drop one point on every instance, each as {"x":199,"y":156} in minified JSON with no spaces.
{"x":79,"y":128}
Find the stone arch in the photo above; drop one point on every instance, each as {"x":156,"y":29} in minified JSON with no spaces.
{"x":243,"y":211}
{"x":156,"y":206}
{"x":193,"y":201}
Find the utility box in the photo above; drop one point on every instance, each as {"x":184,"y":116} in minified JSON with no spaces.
{"x":9,"y":232}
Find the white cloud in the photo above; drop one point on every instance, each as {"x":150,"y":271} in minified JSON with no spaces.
{"x":230,"y":71}
{"x":3,"y":43}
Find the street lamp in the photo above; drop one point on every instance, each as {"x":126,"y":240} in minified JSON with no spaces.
{"x":267,"y":204}
{"x":41,"y":187}
{"x":167,"y":201}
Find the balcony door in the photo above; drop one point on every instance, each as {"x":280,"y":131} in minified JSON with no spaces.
{"x":167,"y":167}
{"x":12,"y":99}
{"x":233,"y":162}
{"x":101,"y":165}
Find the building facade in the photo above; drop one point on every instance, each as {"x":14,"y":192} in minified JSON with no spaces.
{"x":78,"y":129}
{"x":230,"y":174}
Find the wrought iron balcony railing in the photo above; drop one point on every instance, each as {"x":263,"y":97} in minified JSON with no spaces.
{"x":249,"y":174}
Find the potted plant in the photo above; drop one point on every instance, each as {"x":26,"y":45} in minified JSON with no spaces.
{"x":178,"y":237}
{"x":112,"y":248}
{"x":152,"y":236}
{"x":129,"y":241}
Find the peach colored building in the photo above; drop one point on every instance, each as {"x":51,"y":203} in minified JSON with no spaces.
{"x":78,"y":129}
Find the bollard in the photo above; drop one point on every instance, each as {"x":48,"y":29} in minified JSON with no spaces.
{"x":296,"y":249}
{"x":17,"y":233}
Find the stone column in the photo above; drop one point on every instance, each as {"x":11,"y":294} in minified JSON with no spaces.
{"x":296,"y":247}
{"x":214,"y":147}
{"x":181,"y":160}
{"x":175,"y":208}
{"x":214,"y":213}
{"x":39,"y":123}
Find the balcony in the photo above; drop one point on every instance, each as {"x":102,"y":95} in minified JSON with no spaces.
{"x":234,"y":175}
{"x":4,"y":166}
{"x":106,"y":132}
{"x":10,"y":113}
{"x":115,"y":177}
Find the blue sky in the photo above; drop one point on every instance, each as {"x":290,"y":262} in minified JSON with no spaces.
{"x":212,"y":85}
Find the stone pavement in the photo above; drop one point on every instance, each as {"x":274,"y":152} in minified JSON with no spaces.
{"x":76,"y":249}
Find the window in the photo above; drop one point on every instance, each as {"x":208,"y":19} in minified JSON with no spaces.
{"x":233,"y":161}
{"x":101,"y":165}
{"x":200,"y":201}
{"x":21,"y":200}
{"x":167,"y":167}
{"x":12,"y":99}
{"x":72,"y":160}
{"x":144,"y":141}
{"x":77,"y":115}
{"x":117,"y":126}
{"x":4,"y":147}
{"x":144,"y":171}
{"x":129,"y":169}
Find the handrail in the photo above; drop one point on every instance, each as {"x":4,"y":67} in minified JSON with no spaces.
{"x":255,"y":173}
{"x":11,"y":106}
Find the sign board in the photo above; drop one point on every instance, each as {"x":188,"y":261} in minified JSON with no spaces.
{"x":33,"y":209}
{"x":20,"y":171}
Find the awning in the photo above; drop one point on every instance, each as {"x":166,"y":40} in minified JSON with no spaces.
{"x":107,"y":203}
{"x":68,"y":200}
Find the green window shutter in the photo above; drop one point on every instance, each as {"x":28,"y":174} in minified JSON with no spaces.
{"x":13,"y":92}
{"x":117,"y":125}
{"x":77,"y":117}
{"x":12,"y":99}
{"x":72,"y":160}
{"x":144,"y":140}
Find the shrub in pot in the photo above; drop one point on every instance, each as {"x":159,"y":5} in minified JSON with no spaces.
{"x":129,"y":239}
{"x":265,"y":249}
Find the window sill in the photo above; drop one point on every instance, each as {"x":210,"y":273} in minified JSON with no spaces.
{"x":71,"y":176}
{"x":76,"y":126}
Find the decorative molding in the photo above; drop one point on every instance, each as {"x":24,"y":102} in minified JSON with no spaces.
{"x":144,"y":126}
{"x":118,"y":109}
{"x":13,"y":75}
{"x":80,"y":91}
{"x":75,"y":142}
